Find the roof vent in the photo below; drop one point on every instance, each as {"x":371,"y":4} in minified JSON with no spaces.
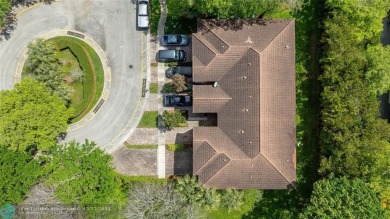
{"x":246,"y":110}
{"x":242,"y":131}
{"x":215,"y":84}
{"x":249,"y":63}
{"x":244,"y":77}
{"x":251,"y":165}
{"x":249,"y":40}
{"x":250,"y":142}
{"x":251,"y":176}
{"x":249,"y":96}
{"x":287,"y":46}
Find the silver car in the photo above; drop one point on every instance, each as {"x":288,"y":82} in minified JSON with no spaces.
{"x":143,"y":14}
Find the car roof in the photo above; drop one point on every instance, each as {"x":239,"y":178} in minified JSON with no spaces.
{"x":142,"y":9}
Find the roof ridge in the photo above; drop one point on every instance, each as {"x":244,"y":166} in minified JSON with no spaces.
{"x":211,"y":161}
{"x":211,"y":30}
{"x":207,"y":44}
{"x":210,"y":158}
{"x":291,"y":183}
{"x":215,"y":152}
{"x":284,"y":29}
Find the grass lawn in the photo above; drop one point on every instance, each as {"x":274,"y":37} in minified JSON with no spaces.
{"x":143,"y":146}
{"x":153,"y":88}
{"x":149,"y":120}
{"x":87,"y":92}
{"x":154,"y":16}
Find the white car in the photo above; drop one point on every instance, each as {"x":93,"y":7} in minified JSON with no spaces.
{"x":143,"y":14}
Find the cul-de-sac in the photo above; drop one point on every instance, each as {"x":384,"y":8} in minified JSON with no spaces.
{"x":217,"y":109}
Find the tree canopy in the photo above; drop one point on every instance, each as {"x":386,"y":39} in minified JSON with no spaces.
{"x":354,"y":140}
{"x":228,"y":8}
{"x":30,"y":117}
{"x":43,"y":65}
{"x":81,"y":174}
{"x":342,"y":198}
{"x":154,"y":200}
{"x":18,"y":173}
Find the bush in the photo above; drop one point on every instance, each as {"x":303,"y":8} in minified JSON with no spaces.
{"x":175,"y":147}
{"x":168,"y":88}
{"x":178,"y":83}
{"x":173,"y":119}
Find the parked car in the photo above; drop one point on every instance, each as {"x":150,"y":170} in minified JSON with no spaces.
{"x":182,"y":70}
{"x":143,"y":14}
{"x":171,"y":55}
{"x":177,"y":100}
{"x":175,"y":40}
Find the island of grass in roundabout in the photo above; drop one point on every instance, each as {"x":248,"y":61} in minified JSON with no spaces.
{"x":68,"y":67}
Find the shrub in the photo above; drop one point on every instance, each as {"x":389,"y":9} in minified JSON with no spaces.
{"x":168,"y":88}
{"x":179,"y":83}
{"x":175,"y":147}
{"x":173,"y":119}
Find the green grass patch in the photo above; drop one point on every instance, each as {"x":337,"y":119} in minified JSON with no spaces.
{"x":142,"y":146}
{"x":153,"y":88}
{"x":87,"y":92}
{"x":154,"y":16}
{"x":149,"y":120}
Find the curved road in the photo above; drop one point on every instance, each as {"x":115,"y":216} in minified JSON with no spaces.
{"x":111,"y":23}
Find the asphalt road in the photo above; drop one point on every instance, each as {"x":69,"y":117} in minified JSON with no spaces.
{"x":111,"y":23}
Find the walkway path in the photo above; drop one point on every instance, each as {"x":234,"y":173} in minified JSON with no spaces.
{"x":161,"y":81}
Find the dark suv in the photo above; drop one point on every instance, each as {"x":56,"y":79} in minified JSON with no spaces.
{"x":171,"y":55}
{"x":177,"y":100}
{"x":181,"y":70}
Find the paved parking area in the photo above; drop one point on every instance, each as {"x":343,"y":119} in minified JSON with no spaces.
{"x":143,"y":136}
{"x":178,"y":163}
{"x":135,"y":162}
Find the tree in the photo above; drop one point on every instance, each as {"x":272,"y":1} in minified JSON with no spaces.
{"x":228,"y":8}
{"x":153,"y":200}
{"x":43,"y":65}
{"x":378,"y":68}
{"x":31,"y":118}
{"x":179,"y":83}
{"x":19,"y":172}
{"x":81,"y":174}
{"x":193,"y":192}
{"x":173,"y":119}
{"x":231,"y":199}
{"x":343,"y":198}
{"x":5,"y":7}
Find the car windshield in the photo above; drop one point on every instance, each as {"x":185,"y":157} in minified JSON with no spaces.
{"x":143,"y":8}
{"x":176,"y":100}
{"x":177,"y":54}
{"x":172,"y":39}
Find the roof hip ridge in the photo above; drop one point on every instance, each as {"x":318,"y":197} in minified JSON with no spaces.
{"x":288,"y":24}
{"x":207,"y":44}
{"x":291,"y":183}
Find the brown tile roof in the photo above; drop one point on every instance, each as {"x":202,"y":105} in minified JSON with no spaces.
{"x":253,"y":145}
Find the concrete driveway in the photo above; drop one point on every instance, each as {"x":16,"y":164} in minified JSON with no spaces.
{"x":111,"y":23}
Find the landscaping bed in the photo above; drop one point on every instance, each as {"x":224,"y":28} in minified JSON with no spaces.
{"x":87,"y":91}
